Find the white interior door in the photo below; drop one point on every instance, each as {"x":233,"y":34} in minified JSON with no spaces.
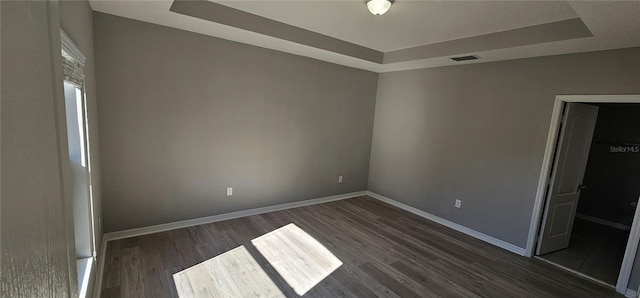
{"x":578,"y":124}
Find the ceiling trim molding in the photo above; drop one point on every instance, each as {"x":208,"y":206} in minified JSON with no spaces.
{"x":549,"y":32}
{"x":229,"y":16}
{"x":602,"y":25}
{"x":536,"y":34}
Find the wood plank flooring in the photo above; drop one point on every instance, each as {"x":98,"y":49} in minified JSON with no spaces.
{"x":385,"y":252}
{"x":233,"y":274}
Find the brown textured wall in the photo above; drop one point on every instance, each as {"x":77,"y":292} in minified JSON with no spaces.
{"x":37,"y":253}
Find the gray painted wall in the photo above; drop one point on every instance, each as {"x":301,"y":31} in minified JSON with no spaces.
{"x":478,"y":133}
{"x":183,"y":116}
{"x":612,"y":177}
{"x":76,"y":19}
{"x":38,"y":258}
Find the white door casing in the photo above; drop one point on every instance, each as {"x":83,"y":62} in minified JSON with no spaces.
{"x":566,"y":179}
{"x":536,"y":216}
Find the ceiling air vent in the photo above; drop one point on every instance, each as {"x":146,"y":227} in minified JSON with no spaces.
{"x":465,"y":58}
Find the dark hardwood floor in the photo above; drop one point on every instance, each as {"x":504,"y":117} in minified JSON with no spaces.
{"x":386,"y":252}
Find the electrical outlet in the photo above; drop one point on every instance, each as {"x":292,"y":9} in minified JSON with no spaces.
{"x":339,"y":179}
{"x":229,"y":191}
{"x":458,"y":203}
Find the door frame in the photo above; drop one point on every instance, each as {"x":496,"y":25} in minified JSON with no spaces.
{"x":547,"y":162}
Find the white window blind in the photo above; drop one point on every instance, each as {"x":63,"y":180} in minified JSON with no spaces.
{"x":72,"y":60}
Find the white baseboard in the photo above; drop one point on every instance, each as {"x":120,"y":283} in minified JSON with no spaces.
{"x":202,"y":220}
{"x":215,"y":218}
{"x":473,"y":233}
{"x":209,"y":219}
{"x":604,"y":222}
{"x":631,"y":293}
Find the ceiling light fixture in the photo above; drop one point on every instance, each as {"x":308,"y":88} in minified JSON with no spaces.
{"x":378,"y":7}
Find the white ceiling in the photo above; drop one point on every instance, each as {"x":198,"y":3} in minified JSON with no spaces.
{"x":408,"y":23}
{"x":614,"y":24}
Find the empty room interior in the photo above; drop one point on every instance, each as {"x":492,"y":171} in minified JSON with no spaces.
{"x":365,"y":148}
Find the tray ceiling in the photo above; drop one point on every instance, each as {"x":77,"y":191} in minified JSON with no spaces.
{"x":413,"y":34}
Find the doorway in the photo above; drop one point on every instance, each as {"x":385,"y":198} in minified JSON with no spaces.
{"x":608,"y":195}
{"x":593,"y":238}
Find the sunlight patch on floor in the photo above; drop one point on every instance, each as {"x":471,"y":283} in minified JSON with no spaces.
{"x":300,"y":259}
{"x":232,"y":274}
